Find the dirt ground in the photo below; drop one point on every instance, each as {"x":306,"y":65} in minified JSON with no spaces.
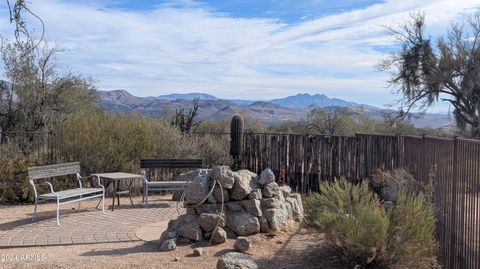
{"x":298,"y":248}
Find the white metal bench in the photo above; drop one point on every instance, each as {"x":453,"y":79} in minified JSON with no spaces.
{"x":37,"y":173}
{"x":149,"y":185}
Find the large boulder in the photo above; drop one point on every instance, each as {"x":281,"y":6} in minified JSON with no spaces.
{"x":263,"y":225}
{"x":286,"y":190}
{"x":209,"y":221}
{"x":255,"y":194}
{"x":266,"y":177}
{"x":218,"y":236}
{"x":297,"y":209}
{"x":198,"y":189}
{"x":217,"y":194}
{"x":245,"y":182}
{"x":277,"y":218}
{"x":191,"y":230}
{"x":224,"y":175}
{"x":271,"y":190}
{"x":253,"y":207}
{"x":236,"y":260}
{"x":208,"y":208}
{"x":243,"y":223}
{"x":268,"y":203}
{"x":234,"y":206}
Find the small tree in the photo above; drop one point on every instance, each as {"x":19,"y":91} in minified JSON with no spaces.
{"x":330,"y":122}
{"x":450,"y":73}
{"x":36,"y":95}
{"x":186,"y":122}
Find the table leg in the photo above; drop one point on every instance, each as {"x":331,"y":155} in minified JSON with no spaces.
{"x":114,"y":192}
{"x":118,"y":195}
{"x":130,"y":191}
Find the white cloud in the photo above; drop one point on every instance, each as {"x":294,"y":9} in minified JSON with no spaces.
{"x":191,"y":47}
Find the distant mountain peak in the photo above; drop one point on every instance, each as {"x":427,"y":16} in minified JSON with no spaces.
{"x":188,"y":96}
{"x":309,"y":100}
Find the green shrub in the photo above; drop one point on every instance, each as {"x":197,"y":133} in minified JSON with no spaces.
{"x":412,"y":241}
{"x":367,"y":235}
{"x":14,"y":186}
{"x":352,"y":219}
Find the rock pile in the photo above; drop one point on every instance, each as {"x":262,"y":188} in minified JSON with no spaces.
{"x":251,"y":204}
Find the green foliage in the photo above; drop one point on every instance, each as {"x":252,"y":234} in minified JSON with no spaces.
{"x":106,"y":142}
{"x":412,"y":232}
{"x":369,"y":236}
{"x":13,"y":183}
{"x":352,"y":218}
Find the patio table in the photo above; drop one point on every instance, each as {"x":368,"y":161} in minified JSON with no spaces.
{"x":116,"y":177}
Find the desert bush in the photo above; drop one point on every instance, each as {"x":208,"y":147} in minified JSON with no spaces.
{"x":14,"y":186}
{"x":369,"y":236}
{"x":412,"y":241}
{"x":388,"y":183}
{"x":107,"y":142}
{"x":352,"y":219}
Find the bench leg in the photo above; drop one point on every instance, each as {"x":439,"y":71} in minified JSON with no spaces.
{"x":58,"y":212}
{"x":146,"y":197}
{"x":35,"y":209}
{"x":103,"y":202}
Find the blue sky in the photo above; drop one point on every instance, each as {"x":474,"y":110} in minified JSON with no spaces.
{"x":236,"y":49}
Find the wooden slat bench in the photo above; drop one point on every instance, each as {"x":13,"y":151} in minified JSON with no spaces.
{"x":37,"y":173}
{"x":167,"y":164}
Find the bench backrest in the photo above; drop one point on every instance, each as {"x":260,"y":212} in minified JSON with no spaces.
{"x":171,"y":163}
{"x":55,"y":170}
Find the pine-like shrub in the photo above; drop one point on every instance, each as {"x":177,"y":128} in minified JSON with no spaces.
{"x":368,"y":236}
{"x":352,"y":219}
{"x":412,"y":241}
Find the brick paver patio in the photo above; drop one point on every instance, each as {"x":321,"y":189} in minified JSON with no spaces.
{"x":91,"y":226}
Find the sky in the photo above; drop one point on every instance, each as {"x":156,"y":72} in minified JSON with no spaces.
{"x":256,"y":50}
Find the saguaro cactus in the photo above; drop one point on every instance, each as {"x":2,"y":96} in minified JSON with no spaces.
{"x":236,"y":140}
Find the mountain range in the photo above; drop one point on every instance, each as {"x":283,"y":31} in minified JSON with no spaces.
{"x":290,"y":108}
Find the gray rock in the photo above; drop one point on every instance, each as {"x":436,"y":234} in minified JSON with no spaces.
{"x":191,"y":230}
{"x":177,"y":195}
{"x":243,"y":223}
{"x":183,"y":241}
{"x":271,"y":189}
{"x":263,"y":225}
{"x":298,"y":197}
{"x":168,"y":234}
{"x":242,"y":244}
{"x":266,"y":177}
{"x":197,"y":252}
{"x":207,"y":235}
{"x":289,"y":210}
{"x":219,"y":236}
{"x":224,"y":175}
{"x":268,"y":203}
{"x":280,"y":196}
{"x":253,"y":207}
{"x":168,"y":245}
{"x":236,"y":260}
{"x":245,"y":182}
{"x":197,"y":189}
{"x":297,"y":211}
{"x":208,"y":208}
{"x":209,"y":221}
{"x":286,"y":190}
{"x":255,"y":194}
{"x":277,"y":218}
{"x":234,"y":206}
{"x":217,"y":194}
{"x":211,"y":200}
